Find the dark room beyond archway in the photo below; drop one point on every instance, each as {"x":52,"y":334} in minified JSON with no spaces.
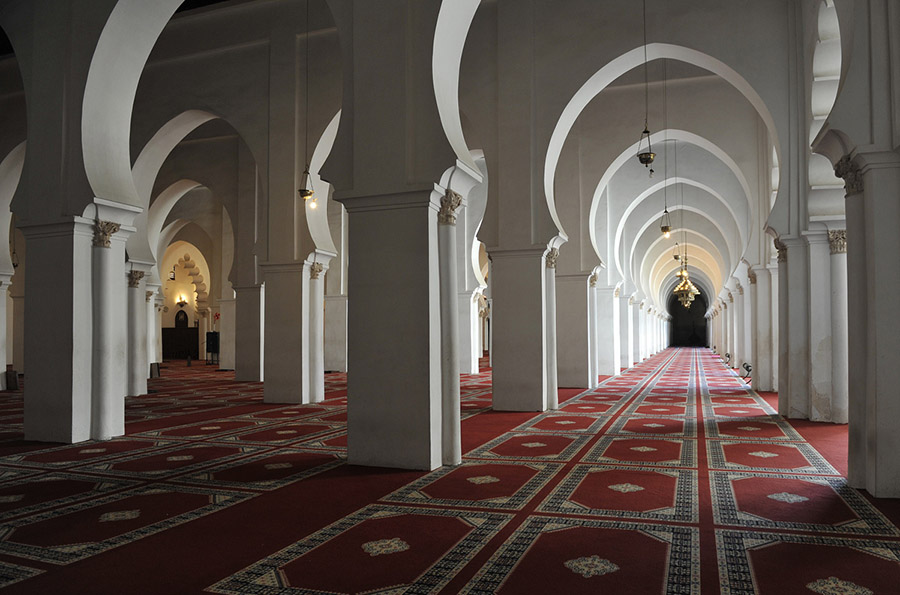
{"x":688,"y":326}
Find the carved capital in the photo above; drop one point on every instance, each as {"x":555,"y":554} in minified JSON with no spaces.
{"x":449,"y":203}
{"x":849,"y":172}
{"x":782,"y":250}
{"x":552,"y":257}
{"x":149,"y":296}
{"x":837,"y":241}
{"x":752,"y":276}
{"x":315,"y":269}
{"x":616,"y":292}
{"x":740,"y":290}
{"x":593,"y":280}
{"x":631,"y":301}
{"x":134,"y":278}
{"x":730,"y":298}
{"x":103,"y":231}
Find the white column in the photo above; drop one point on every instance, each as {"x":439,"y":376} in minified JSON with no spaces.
{"x":625,"y":350}
{"x":797,"y":282}
{"x":227,"y":332}
{"x":775,"y":297}
{"x":820,"y":339}
{"x":4,"y":353}
{"x":249,"y":332}
{"x":783,"y":332}
{"x":593,"y":332}
{"x":137,"y":334}
{"x":740,"y":331}
{"x":840,"y":384}
{"x":469,"y":331}
{"x":727,"y":311}
{"x":518,"y":330}
{"x":763,"y":349}
{"x":286,"y":362}
{"x":317,"y":332}
{"x":451,"y":438}
{"x":18,"y":330}
{"x":336,"y":333}
{"x":857,"y":341}
{"x":574,"y":322}
{"x":550,"y":300}
{"x":635,"y":331}
{"x":110,"y":365}
{"x":153,"y":328}
{"x":609,"y":332}
{"x":394,"y":331}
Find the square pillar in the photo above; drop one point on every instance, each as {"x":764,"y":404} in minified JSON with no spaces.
{"x":249,"y":308}
{"x":573,"y":324}
{"x":394,"y":336}
{"x":518,"y":313}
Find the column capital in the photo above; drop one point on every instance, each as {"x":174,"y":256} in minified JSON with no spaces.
{"x":616,"y":292}
{"x":103,"y":231}
{"x":837,"y":241}
{"x":449,"y":203}
{"x":134,"y":278}
{"x":315,"y":269}
{"x":552,"y":257}
{"x":849,"y":171}
{"x":782,"y":250}
{"x":740,"y":289}
{"x":593,"y":280}
{"x":148,"y":296}
{"x":751,"y":276}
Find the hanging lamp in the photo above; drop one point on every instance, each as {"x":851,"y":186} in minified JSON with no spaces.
{"x":645,"y":152}
{"x":306,"y":191}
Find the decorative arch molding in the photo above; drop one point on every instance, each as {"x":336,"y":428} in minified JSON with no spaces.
{"x":10,"y":174}
{"x":452,"y":29}
{"x":658,"y":137}
{"x":122,"y":50}
{"x":717,"y":244}
{"x":658,"y":255}
{"x":618,"y":246}
{"x":619,"y":66}
{"x":317,"y":218}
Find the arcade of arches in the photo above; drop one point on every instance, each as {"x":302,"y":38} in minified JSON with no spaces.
{"x":475,"y":190}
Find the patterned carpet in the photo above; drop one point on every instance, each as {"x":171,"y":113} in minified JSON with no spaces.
{"x":671,"y":478}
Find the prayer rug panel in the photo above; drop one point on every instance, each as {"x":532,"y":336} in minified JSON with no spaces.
{"x":381,"y":549}
{"x":643,"y":451}
{"x":626,"y":492}
{"x":751,"y":562}
{"x":484,"y":485}
{"x":564,"y":555}
{"x":796,"y":502}
{"x":532,"y":447}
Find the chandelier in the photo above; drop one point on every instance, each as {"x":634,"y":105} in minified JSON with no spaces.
{"x":645,"y":152}
{"x":685,"y":291}
{"x":306,"y":190}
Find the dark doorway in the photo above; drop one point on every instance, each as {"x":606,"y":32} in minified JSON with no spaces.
{"x":688,"y":326}
{"x":181,"y":319}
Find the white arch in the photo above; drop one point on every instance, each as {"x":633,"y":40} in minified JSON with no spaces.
{"x":674,"y":134}
{"x":619,"y":66}
{"x":10,"y":174}
{"x":655,"y":188}
{"x":453,"y":23}
{"x":317,"y":218}
{"x":122,"y":50}
{"x":161,"y":208}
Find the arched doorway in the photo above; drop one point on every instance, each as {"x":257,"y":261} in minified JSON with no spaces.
{"x":688,"y":326}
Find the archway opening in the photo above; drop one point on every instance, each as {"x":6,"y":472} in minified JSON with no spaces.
{"x":688,"y":325}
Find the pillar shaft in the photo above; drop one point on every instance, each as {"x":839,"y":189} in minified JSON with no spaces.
{"x":519,"y":349}
{"x":763,"y":352}
{"x":317,"y":334}
{"x":286,"y":347}
{"x":609,"y":357}
{"x":625,"y":349}
{"x":249,"y":322}
{"x":394,"y":367}
{"x":840,"y":385}
{"x":137,"y":334}
{"x":574,"y":318}
{"x":451,"y":439}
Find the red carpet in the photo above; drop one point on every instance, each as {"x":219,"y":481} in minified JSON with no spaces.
{"x":672,"y":477}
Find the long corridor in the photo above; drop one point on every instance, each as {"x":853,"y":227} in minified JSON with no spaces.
{"x":671,"y":478}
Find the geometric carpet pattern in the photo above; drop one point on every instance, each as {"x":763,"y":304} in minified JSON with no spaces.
{"x":674,"y":477}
